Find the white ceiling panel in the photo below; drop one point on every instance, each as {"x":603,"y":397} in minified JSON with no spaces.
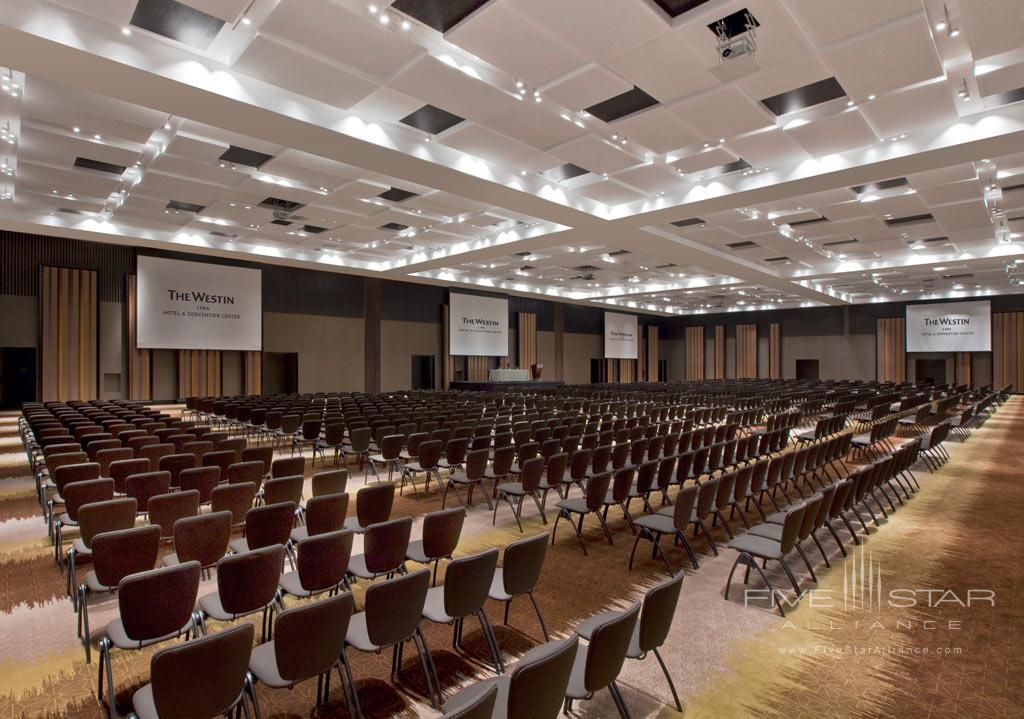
{"x":712,"y":157}
{"x":449,"y":88}
{"x":588,"y":87}
{"x":651,"y":179}
{"x":953,"y":192}
{"x":838,"y":133}
{"x":501,"y":36}
{"x":768,"y":149}
{"x":487,"y":144}
{"x":906,"y":111}
{"x":658,"y":130}
{"x":900,"y":55}
{"x":596,"y":155}
{"x":611,"y":193}
{"x":666,"y":67}
{"x":725,"y":112}
{"x":533,"y":124}
{"x":266,"y":60}
{"x":596,"y":29}
{"x":993,"y":26}
{"x":826,"y":21}
{"x":355,"y":39}
{"x":962,"y":216}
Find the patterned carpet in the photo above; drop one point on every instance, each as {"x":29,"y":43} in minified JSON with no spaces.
{"x":885,"y":632}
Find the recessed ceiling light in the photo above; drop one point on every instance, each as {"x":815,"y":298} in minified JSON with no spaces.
{"x":77,"y":129}
{"x":384,"y":19}
{"x":373,"y":9}
{"x":849,"y":103}
{"x":167,"y":126}
{"x":246,"y":20}
{"x":126,"y":31}
{"x":406,"y":25}
{"x":97,"y":137}
{"x":871,"y":97}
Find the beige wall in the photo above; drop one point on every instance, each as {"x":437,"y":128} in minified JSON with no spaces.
{"x":674,"y":353}
{"x":839,"y":356}
{"x":399,"y":341}
{"x":231,"y":371}
{"x":578,"y":351}
{"x":330,"y":349}
{"x":111,"y":350}
{"x":165,"y":375}
{"x":546,"y":353}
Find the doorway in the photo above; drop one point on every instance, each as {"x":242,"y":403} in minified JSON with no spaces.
{"x":280,"y":372}
{"x":17,"y":376}
{"x":930,"y":370}
{"x":807,"y":369}
{"x":422,"y":372}
{"x":597,"y":370}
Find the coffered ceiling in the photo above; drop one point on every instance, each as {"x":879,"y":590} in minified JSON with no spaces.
{"x":600,"y":152}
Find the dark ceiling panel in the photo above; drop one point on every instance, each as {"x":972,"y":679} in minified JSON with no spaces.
{"x":883,"y":185}
{"x":86,"y":164}
{"x":627,"y":103}
{"x":565,"y":172}
{"x":177,"y":21}
{"x":442,"y":15}
{"x":432,"y":120}
{"x":242,"y":156}
{"x":394,"y":226}
{"x":689,"y":222}
{"x":735,"y":23}
{"x":185,"y":206}
{"x":396,"y":194}
{"x":675,"y":8}
{"x":804,"y":97}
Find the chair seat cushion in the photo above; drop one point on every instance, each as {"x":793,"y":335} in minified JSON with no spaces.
{"x":94,"y":584}
{"x":238,"y":546}
{"x":576,"y":504}
{"x":170,"y":560}
{"x":433,"y":607}
{"x":142,"y":703}
{"x":299,"y":533}
{"x":659,"y":523}
{"x":263,"y":664}
{"x":120,"y":639}
{"x":291,"y":584}
{"x":586,"y":630}
{"x":212,"y":608}
{"x":862,"y":440}
{"x":415,"y":553}
{"x":768,"y":531}
{"x":497,"y":590}
{"x":757,"y":546}
{"x":514,"y":489}
{"x":81,"y":550}
{"x":472,"y":693}
{"x":352,"y":523}
{"x":358,"y":636}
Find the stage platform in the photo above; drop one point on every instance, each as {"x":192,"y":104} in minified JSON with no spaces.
{"x":499,"y":386}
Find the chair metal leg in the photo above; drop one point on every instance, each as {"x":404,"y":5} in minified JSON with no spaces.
{"x":536,"y":609}
{"x":668,"y":678}
{"x":620,"y":702}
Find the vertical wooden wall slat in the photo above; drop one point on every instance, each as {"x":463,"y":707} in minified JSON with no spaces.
{"x":140,"y":362}
{"x":252,"y":368}
{"x":653,"y":353}
{"x":746,"y":351}
{"x":559,"y":368}
{"x":446,"y":357}
{"x":371,"y":333}
{"x":962,"y":371}
{"x":694,"y":342}
{"x":719,"y":358}
{"x":775,"y":350}
{"x":526,"y":336}
{"x":69,"y":333}
{"x":890,"y":349}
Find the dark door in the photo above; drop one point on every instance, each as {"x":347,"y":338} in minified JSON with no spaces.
{"x":596,"y":370}
{"x":422,"y":372}
{"x":17,"y":375}
{"x":807,"y":369}
{"x":280,"y":372}
{"x":663,"y":370}
{"x":931,"y":370}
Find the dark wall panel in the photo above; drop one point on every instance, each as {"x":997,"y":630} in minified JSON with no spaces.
{"x":21,"y":255}
{"x":407,"y":302}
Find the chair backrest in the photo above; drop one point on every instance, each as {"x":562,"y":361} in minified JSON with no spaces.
{"x":180,"y":692}
{"x":467,"y":581}
{"x":597,"y":490}
{"x":530,"y":473}
{"x":538,"y":682}
{"x":236,"y":499}
{"x":269,"y":525}
{"x":683,"y":508}
{"x":287,"y":466}
{"x":146,"y":485}
{"x":78,"y":494}
{"x":221,"y":459}
{"x":503,"y":459}
{"x":385,"y":544}
{"x":201,"y":479}
{"x":117,"y":554}
{"x":706,"y":497}
{"x":308,"y":639}
{"x":174,"y":463}
{"x":659,"y":609}
{"x":109,"y":516}
{"x":247,"y":582}
{"x":166,"y":509}
{"x":263,"y":454}
{"x":791,"y":527}
{"x":522,"y":563}
{"x":429,"y":453}
{"x":284,"y":489}
{"x":158,"y":602}
{"x":66,"y":474}
{"x":606,"y":652}
{"x":374,"y":503}
{"x":441,"y":531}
{"x":394,"y":607}
{"x":334,"y":481}
{"x":322,"y":560}
{"x":326,"y":513}
{"x":202,"y":538}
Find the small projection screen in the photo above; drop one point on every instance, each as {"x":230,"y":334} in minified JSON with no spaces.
{"x":950,"y":327}
{"x":198,"y":306}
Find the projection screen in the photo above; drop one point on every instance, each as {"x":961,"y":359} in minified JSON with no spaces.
{"x":477,"y":325}
{"x":950,"y":327}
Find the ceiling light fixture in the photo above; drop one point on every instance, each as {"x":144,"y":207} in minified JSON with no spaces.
{"x":246,"y":21}
{"x":126,"y":31}
{"x":964,"y":93}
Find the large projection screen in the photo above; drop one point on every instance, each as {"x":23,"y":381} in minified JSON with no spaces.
{"x":477,"y":326}
{"x":620,"y":333}
{"x":198,"y":306}
{"x":950,"y":327}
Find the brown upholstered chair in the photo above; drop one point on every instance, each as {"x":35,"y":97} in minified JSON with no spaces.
{"x":177,"y":691}
{"x":201,"y":479}
{"x":251,"y":471}
{"x":321,"y":564}
{"x":166,"y":509}
{"x":149,"y":484}
{"x":373,"y":506}
{"x":154,"y":606}
{"x":121,"y":470}
{"x":441,"y":533}
{"x":94,"y":519}
{"x":266,"y":526}
{"x":333,"y":481}
{"x":246,"y":584}
{"x":115,"y":555}
{"x":325,"y":513}
{"x":76,"y":495}
{"x":236,"y":499}
{"x":201,"y":538}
